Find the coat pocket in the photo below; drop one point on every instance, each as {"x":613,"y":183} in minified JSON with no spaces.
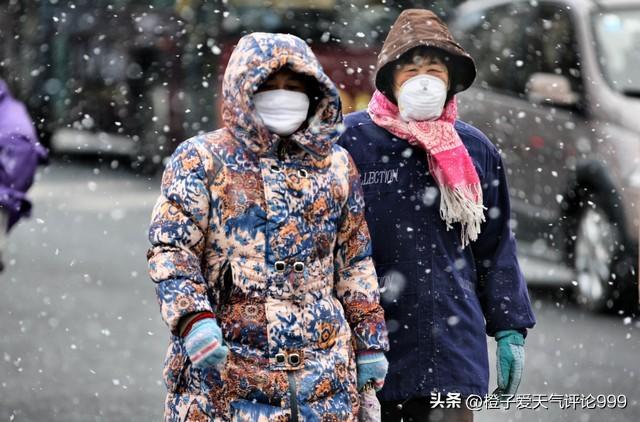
{"x":458,"y":280}
{"x":174,"y":365}
{"x":224,"y":285}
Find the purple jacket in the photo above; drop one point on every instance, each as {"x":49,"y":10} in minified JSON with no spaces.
{"x":20,"y":154}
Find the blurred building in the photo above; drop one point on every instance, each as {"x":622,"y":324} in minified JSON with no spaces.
{"x":135,"y":78}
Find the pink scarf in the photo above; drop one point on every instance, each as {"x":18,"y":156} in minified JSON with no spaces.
{"x":449,"y":162}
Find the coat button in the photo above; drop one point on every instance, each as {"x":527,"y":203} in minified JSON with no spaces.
{"x":280,"y":266}
{"x":280,"y":358}
{"x":303,"y":173}
{"x":298,"y":267}
{"x":294,"y":359}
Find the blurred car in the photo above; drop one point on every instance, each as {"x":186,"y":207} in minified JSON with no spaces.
{"x":558,"y":91}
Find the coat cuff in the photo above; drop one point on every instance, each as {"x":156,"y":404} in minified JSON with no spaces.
{"x":501,"y":333}
{"x":516,"y":336}
{"x":179,"y":298}
{"x":193,"y":318}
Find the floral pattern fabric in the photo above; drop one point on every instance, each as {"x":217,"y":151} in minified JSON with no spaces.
{"x":276,"y":245}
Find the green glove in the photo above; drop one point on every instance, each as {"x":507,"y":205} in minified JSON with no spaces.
{"x":510,"y":361}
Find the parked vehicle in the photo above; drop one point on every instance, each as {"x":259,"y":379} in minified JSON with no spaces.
{"x":558,"y":91}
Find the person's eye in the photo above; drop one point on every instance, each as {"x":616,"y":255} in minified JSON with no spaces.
{"x":295,"y":87}
{"x":409,"y":72}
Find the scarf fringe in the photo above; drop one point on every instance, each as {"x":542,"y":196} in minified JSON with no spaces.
{"x":456,"y":206}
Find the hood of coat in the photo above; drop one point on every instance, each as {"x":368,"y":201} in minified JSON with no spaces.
{"x":254,"y":59}
{"x":420,"y":27}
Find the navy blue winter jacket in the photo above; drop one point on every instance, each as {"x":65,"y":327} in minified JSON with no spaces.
{"x":439,"y":299}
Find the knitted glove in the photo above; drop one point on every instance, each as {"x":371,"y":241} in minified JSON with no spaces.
{"x":510,"y":360}
{"x":203,"y":341}
{"x":371,"y":366}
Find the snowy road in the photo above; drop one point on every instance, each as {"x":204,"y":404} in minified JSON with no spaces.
{"x":81,"y":337}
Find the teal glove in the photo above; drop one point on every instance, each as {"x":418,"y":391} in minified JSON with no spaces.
{"x":510,"y":361}
{"x":372,"y":367}
{"x":204,"y":344}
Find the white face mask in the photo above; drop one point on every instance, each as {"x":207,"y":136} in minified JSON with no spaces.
{"x":422,"y":98}
{"x":282,"y":111}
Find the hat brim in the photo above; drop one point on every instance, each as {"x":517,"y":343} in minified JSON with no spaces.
{"x":462,"y":69}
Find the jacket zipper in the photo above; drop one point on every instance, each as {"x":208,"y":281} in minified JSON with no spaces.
{"x":293,"y":396}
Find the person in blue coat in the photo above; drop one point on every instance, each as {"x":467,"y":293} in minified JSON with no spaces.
{"x":437,"y":206}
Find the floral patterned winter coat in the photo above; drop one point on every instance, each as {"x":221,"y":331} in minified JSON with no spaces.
{"x":273,"y":240}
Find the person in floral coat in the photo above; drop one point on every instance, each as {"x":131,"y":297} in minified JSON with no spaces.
{"x":261,"y":255}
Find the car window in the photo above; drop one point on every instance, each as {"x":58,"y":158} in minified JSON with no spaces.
{"x":496,"y":38}
{"x":617,"y":34}
{"x":552,"y":45}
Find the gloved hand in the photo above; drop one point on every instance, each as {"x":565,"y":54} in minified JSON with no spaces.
{"x":203,"y":341}
{"x":510,"y":361}
{"x":371,"y":366}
